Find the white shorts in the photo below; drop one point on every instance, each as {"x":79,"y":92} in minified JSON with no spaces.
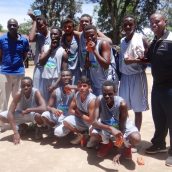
{"x":60,"y":130}
{"x":77,"y":122}
{"x":51,"y":117}
{"x":134,"y":90}
{"x":130,"y":128}
{"x":19,"y":118}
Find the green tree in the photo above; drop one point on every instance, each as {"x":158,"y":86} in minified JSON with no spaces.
{"x":55,"y":11}
{"x":1,"y":27}
{"x":111,"y":13}
{"x":25,"y":27}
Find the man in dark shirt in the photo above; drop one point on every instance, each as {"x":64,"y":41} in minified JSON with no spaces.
{"x":160,"y":57}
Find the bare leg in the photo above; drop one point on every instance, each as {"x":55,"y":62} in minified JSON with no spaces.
{"x":48,"y":122}
{"x":70,"y":127}
{"x":138,"y":120}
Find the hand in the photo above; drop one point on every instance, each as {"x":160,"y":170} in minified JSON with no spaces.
{"x":16,"y":138}
{"x":90,"y":46}
{"x":32,"y":16}
{"x":116,"y":159}
{"x":57,"y":112}
{"x":68,"y":89}
{"x":119,"y":141}
{"x":116,"y":133}
{"x":78,"y":113}
{"x":51,"y":89}
{"x":129,"y":60}
{"x":26,"y":111}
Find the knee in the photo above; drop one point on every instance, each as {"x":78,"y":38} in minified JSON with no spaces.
{"x":61,"y":131}
{"x":38,"y":119}
{"x":134,"y":138}
{"x":66,"y":124}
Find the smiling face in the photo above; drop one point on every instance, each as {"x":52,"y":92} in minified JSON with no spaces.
{"x":66,"y":77}
{"x":129,"y":26}
{"x":108,"y":95}
{"x":158,"y":24}
{"x":55,"y":36}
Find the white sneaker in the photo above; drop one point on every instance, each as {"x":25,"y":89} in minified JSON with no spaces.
{"x":77,"y":140}
{"x":168,"y":161}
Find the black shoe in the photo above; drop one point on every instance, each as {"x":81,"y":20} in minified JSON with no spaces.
{"x":156,"y":149}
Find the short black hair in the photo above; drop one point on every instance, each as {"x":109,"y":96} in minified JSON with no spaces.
{"x":27,"y":78}
{"x":110,"y":83}
{"x":42,"y":18}
{"x":66,"y":70}
{"x":130,"y":16}
{"x":67,"y":20}
{"x":56,"y":27}
{"x":87,"y":15}
{"x":88,"y":27}
{"x":84,"y":80}
{"x":12,"y":20}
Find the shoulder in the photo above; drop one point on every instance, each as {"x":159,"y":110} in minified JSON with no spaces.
{"x":4,"y":36}
{"x":23,"y":37}
{"x":46,"y":47}
{"x":169,"y":37}
{"x":91,"y":96}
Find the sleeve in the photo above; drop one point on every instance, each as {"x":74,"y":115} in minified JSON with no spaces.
{"x":26,"y":45}
{"x":1,"y":42}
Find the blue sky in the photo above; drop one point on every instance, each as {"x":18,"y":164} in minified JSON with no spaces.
{"x":14,"y":9}
{"x":18,"y":9}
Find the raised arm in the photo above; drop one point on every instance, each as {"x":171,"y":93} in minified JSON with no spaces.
{"x":103,"y":57}
{"x":32,"y":34}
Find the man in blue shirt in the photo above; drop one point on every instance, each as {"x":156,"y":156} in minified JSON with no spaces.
{"x":13,"y":50}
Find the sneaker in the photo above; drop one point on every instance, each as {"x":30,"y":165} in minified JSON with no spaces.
{"x":168,"y":161}
{"x":77,"y":140}
{"x":127,"y":154}
{"x":38,"y":133}
{"x":104,"y":149}
{"x":156,"y":149}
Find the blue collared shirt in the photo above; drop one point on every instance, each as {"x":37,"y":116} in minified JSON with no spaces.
{"x":13,"y":54}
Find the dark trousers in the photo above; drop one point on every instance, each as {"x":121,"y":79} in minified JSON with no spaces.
{"x":162,"y":115}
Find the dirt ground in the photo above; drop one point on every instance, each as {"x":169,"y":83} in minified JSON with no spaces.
{"x":51,"y":155}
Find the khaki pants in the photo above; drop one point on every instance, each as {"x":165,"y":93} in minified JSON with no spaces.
{"x":9,"y":84}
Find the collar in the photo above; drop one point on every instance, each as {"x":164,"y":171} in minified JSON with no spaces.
{"x":164,"y":36}
{"x":9,"y":37}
